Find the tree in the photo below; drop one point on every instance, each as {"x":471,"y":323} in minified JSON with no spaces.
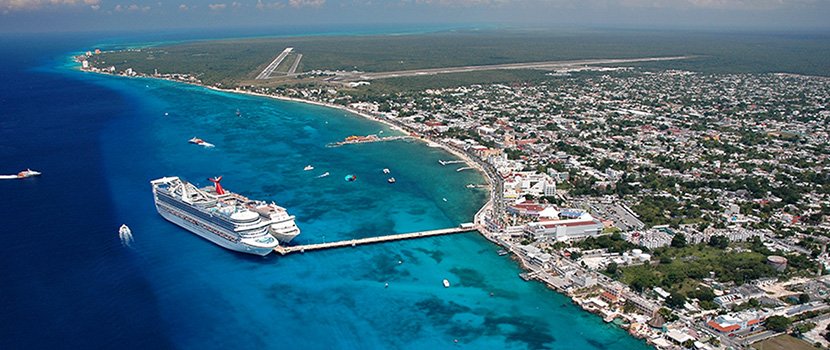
{"x":678,"y":241}
{"x":778,"y":323}
{"x":675,"y":300}
{"x":719,"y":241}
{"x":804,"y":327}
{"x":803,"y":298}
{"x":611,"y":269}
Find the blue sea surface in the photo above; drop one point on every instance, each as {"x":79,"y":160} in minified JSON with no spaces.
{"x":67,"y":281}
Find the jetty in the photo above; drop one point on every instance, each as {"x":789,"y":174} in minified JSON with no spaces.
{"x":367,"y":139}
{"x":379,"y":239}
{"x":464,"y":168}
{"x":445,"y":162}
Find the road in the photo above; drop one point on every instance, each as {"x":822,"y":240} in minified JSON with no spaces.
{"x":547,"y":65}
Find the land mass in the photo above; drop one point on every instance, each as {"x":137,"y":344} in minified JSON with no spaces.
{"x":688,"y":190}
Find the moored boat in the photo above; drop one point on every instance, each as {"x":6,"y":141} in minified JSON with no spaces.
{"x":225,"y":218}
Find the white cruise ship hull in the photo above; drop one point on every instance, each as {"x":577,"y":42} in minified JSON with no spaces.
{"x":200,"y":228}
{"x":285,"y":237}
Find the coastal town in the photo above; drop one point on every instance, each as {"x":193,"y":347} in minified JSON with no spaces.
{"x":691,"y":209}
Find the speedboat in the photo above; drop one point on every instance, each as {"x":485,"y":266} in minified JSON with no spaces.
{"x":27,"y":173}
{"x":323,"y":175}
{"x":200,"y":142}
{"x":391,"y":180}
{"x":125,"y":234}
{"x":350,"y":178}
{"x":308,"y":167}
{"x":446,"y":284}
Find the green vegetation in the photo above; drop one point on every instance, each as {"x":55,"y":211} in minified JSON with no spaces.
{"x":234,"y":61}
{"x":680,"y":268}
{"x":613,"y":242}
{"x":778,"y":323}
{"x":783,"y":342}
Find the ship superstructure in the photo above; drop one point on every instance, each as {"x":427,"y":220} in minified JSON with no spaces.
{"x":228,"y":219}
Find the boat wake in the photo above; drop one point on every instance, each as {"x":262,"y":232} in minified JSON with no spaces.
{"x":8,"y":177}
{"x":126,"y":236}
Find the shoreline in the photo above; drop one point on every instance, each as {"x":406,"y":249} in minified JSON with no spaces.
{"x":477,"y":219}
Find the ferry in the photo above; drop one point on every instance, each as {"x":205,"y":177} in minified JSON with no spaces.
{"x":227,"y":219}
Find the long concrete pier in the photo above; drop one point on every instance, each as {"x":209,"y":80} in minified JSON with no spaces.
{"x":379,"y":239}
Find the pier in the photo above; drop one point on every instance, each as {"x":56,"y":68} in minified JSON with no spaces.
{"x":369,"y":139}
{"x":464,"y":168}
{"x":379,"y":239}
{"x":445,"y":162}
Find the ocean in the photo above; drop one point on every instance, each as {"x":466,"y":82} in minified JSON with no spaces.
{"x":69,"y":282}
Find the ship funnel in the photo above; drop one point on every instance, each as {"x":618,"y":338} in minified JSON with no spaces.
{"x":219,"y":189}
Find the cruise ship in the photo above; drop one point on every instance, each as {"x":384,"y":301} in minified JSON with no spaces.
{"x":228,"y":219}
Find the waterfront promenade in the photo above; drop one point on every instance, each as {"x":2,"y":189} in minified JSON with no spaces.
{"x":379,"y":239}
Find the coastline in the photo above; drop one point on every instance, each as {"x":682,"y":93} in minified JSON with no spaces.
{"x":468,"y":159}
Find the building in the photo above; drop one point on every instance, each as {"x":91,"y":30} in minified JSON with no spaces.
{"x":731,"y":323}
{"x":779,"y":263}
{"x":563,"y":230}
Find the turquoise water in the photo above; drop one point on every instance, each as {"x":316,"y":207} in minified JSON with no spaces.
{"x":210,"y":297}
{"x":69,"y":283}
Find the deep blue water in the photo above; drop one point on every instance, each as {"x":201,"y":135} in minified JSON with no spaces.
{"x":66,"y":280}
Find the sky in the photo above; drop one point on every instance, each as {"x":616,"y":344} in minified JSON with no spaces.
{"x":126,"y":15}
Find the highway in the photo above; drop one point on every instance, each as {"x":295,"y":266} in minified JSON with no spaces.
{"x":546,"y":65}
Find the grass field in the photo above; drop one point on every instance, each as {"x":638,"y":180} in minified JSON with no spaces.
{"x":783,"y":342}
{"x":234,"y":61}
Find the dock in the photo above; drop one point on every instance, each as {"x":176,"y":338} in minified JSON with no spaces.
{"x":464,"y":168}
{"x":445,"y":162}
{"x":369,"y":139}
{"x":379,"y":239}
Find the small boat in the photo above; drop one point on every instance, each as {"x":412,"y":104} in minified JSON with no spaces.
{"x":308,"y":167}
{"x":391,"y":180}
{"x":446,"y":284}
{"x":27,"y":173}
{"x":323,"y":175}
{"x":444,"y":199}
{"x":238,"y":113}
{"x":386,"y":285}
{"x":200,"y":142}
{"x":471,"y":186}
{"x":350,"y":178}
{"x":502,"y":252}
{"x":125,"y":234}
{"x":386,"y":171}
